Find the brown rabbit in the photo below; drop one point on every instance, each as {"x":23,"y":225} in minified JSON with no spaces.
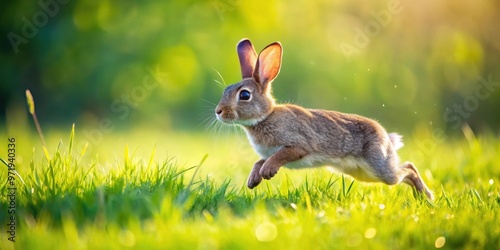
{"x":295,"y":137}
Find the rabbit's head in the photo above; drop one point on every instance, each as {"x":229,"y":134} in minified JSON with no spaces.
{"x":250,"y":101}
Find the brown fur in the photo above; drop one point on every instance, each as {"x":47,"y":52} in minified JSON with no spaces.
{"x":291,"y":136}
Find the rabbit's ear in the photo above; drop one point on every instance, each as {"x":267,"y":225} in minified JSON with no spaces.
{"x":247,"y":56}
{"x":268,"y":64}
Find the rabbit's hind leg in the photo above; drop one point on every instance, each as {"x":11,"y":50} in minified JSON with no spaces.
{"x":387,"y":170}
{"x":413,"y":178}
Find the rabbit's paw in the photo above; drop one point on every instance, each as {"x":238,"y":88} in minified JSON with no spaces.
{"x":254,"y":178}
{"x":267,"y":172}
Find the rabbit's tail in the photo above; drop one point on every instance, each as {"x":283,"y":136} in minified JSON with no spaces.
{"x":396,"y":141}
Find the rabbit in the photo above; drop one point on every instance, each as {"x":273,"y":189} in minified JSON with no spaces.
{"x":291,"y":136}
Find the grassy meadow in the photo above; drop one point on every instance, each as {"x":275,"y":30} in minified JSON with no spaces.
{"x":141,"y":169}
{"x":156,"y":189}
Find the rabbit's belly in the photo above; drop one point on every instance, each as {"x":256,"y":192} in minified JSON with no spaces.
{"x":309,"y":161}
{"x":354,"y":166}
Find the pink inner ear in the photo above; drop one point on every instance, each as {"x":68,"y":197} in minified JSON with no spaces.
{"x":247,"y":57}
{"x":268,"y":64}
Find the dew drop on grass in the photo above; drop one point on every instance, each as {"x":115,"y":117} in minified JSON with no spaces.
{"x":381,"y":206}
{"x":383,"y":105}
{"x":266,"y":232}
{"x":293,"y":205}
{"x":321,"y":214}
{"x":415,"y":217}
{"x":440,"y":241}
{"x":491,"y":182}
{"x":370,"y":233}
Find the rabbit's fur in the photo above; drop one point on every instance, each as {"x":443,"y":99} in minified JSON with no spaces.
{"x":295,"y":137}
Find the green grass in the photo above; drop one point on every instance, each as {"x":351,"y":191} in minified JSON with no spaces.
{"x":157,"y":190}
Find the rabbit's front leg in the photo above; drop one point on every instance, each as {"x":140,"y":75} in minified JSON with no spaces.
{"x":282,"y":157}
{"x":254,"y":179}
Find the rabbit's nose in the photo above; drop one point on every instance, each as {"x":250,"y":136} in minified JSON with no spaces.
{"x":218,"y":111}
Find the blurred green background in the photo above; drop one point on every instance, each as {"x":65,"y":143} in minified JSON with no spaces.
{"x":157,"y":63}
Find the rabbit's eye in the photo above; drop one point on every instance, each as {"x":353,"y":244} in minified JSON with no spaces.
{"x":245,"y":95}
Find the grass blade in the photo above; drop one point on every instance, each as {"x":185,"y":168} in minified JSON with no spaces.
{"x":31,"y":107}
{"x":152,"y":157}
{"x":71,"y":139}
{"x":197,"y":169}
{"x":476,"y":194}
{"x":126,"y":156}
{"x":46,"y":152}
{"x":349,"y":188}
{"x":15,"y":172}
